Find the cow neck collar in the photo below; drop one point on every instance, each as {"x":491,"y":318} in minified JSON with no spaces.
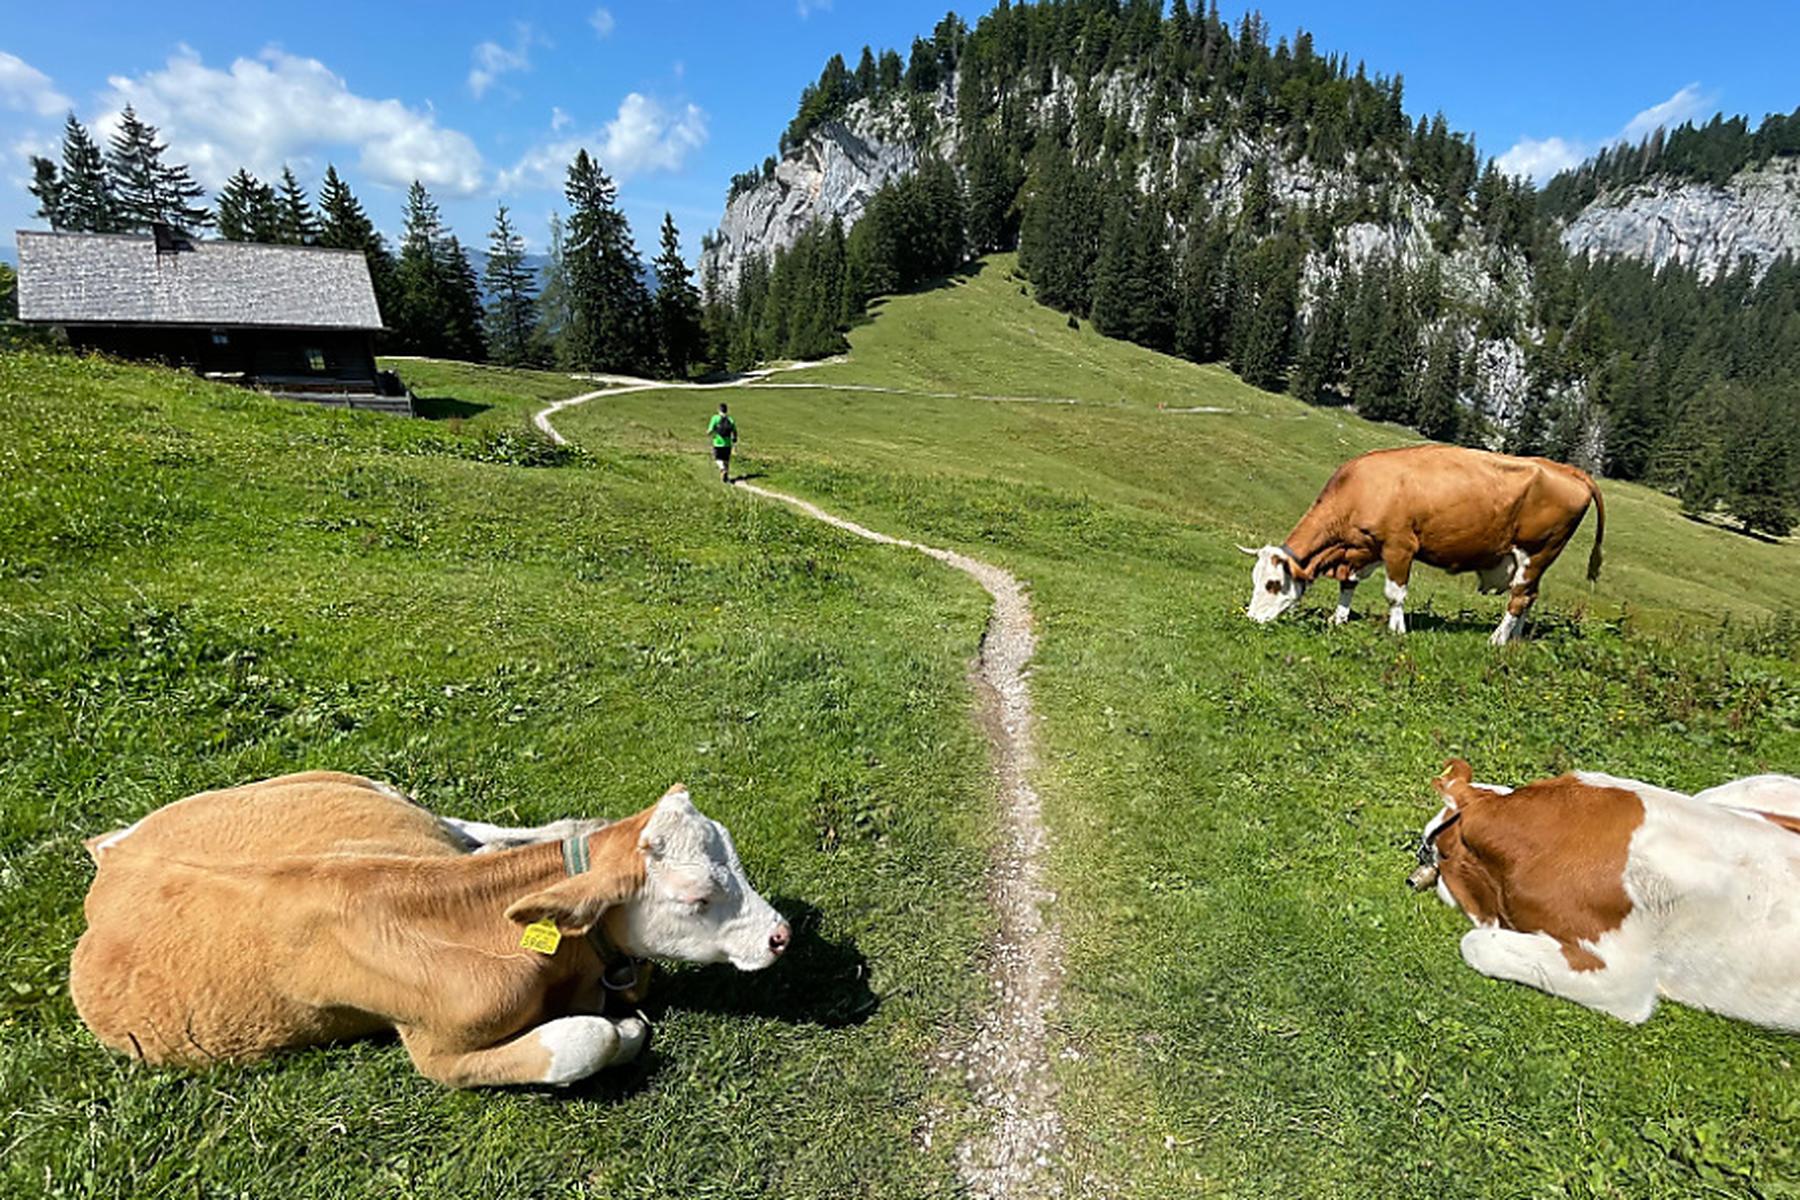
{"x":619,"y":971}
{"x":1428,"y":841}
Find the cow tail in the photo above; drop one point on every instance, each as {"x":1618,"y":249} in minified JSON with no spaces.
{"x":1595,"y":557}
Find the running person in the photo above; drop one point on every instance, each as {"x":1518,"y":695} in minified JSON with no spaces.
{"x":724,"y":437}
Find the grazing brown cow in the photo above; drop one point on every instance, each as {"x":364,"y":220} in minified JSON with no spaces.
{"x":1505,"y":518}
{"x":322,"y":906}
{"x":1611,"y":892}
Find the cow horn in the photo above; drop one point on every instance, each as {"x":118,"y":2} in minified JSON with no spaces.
{"x":1250,"y":552}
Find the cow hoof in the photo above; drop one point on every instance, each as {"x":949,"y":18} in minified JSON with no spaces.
{"x":634,"y":1035}
{"x":578,"y":1047}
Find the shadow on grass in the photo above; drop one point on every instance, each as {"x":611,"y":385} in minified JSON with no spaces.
{"x":443,"y":408}
{"x":1754,"y":535}
{"x":817,"y":982}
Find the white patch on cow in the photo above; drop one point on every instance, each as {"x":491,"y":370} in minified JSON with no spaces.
{"x":578,"y":1047}
{"x":696,"y":905}
{"x":1624,"y":988}
{"x":1342,"y":613}
{"x":115,"y":838}
{"x":483,"y":837}
{"x":1273,"y":587}
{"x":1521,"y":560}
{"x":1504,"y":632}
{"x":391,"y":792}
{"x":1759,"y":793}
{"x":1396,"y":595}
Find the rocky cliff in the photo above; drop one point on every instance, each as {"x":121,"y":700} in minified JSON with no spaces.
{"x":1709,"y":228}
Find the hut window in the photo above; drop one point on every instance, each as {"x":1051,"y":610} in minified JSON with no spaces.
{"x":315,"y":360}
{"x":221,"y":338}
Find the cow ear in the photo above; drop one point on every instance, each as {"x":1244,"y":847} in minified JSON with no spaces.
{"x":572,"y":906}
{"x":1456,"y":775}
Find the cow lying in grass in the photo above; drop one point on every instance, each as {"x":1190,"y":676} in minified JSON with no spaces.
{"x":1507,"y":519}
{"x":1611,"y":892}
{"x":322,"y":906}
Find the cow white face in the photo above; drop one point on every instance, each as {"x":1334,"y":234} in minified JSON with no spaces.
{"x":696,"y":905}
{"x":1274,"y":586}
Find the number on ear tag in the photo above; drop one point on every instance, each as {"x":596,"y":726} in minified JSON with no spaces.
{"x":542,"y":936}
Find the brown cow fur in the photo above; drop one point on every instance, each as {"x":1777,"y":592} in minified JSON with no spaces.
{"x":400,"y":929}
{"x":1448,"y":507}
{"x":1549,"y":857}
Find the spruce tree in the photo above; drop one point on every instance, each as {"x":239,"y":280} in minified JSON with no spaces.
{"x":1436,"y":410}
{"x":343,"y":225}
{"x":609,"y":329}
{"x":9,"y":293}
{"x":46,"y":186}
{"x":553,"y":314}
{"x":247,"y":210}
{"x":678,"y":315}
{"x":422,"y":288}
{"x":296,"y":225}
{"x":149,"y":190}
{"x":463,"y":338}
{"x":81,"y":196}
{"x":512,"y":310}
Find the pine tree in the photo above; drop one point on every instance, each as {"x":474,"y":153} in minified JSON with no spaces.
{"x":610,"y":325}
{"x":1320,"y":363}
{"x":149,"y":190}
{"x":297,"y":225}
{"x":512,"y":309}
{"x":247,"y":210}
{"x":678,"y":316}
{"x":9,"y":293}
{"x":344,"y":225}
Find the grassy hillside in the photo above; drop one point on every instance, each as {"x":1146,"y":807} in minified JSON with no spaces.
{"x":1254,"y":1002}
{"x":199,"y":586}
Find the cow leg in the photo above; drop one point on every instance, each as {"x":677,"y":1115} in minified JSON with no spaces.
{"x":557,"y":1053}
{"x":1527,"y":570}
{"x":1624,"y":986}
{"x":1346,"y":589}
{"x":481,"y":837}
{"x":1399,"y":570}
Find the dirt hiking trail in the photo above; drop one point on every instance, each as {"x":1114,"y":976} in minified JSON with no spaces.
{"x":1007,"y":1062}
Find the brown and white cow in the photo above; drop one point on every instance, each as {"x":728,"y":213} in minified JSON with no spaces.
{"x":322,"y":906}
{"x":1505,"y":518}
{"x":1612,"y":893}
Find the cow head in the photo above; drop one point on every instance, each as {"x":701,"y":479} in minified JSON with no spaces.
{"x":1276,"y":583}
{"x":696,"y":905}
{"x":676,"y":891}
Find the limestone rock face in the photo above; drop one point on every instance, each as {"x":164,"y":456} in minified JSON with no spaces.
{"x":833,"y":174}
{"x":1756,"y":214}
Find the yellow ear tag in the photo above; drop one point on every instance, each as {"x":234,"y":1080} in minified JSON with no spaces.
{"x":542,"y":936}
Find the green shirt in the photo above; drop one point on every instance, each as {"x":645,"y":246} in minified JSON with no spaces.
{"x":724,"y":433}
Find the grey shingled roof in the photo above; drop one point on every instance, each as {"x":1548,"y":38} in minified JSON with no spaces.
{"x":105,"y":279}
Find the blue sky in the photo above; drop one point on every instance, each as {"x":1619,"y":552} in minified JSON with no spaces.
{"x":675,"y":96}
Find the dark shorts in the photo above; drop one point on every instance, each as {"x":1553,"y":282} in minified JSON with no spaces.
{"x":722,"y":454}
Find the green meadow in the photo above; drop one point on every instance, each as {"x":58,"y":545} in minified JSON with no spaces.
{"x":200,"y":586}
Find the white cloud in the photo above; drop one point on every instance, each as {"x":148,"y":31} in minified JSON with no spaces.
{"x":602,"y":21}
{"x":807,"y":8}
{"x":643,"y":138}
{"x":24,"y":88}
{"x":280,"y":109}
{"x":559,"y":119}
{"x":492,"y":60}
{"x":1542,"y":158}
{"x":1684,"y":105}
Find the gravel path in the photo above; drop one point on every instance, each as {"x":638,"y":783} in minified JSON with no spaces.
{"x":1007,"y":1062}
